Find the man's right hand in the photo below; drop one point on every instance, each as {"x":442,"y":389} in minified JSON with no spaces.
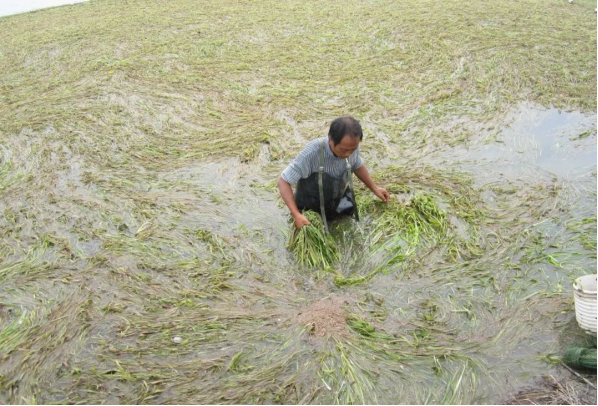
{"x":301,"y":220}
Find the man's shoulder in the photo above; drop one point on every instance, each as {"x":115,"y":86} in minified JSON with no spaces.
{"x":312,"y":147}
{"x":315,"y":142}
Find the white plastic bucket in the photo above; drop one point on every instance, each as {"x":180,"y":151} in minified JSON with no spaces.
{"x":585,"y":302}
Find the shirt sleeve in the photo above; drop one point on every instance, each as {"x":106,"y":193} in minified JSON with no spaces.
{"x":357,"y":161}
{"x":301,"y":167}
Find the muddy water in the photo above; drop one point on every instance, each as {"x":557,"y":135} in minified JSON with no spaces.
{"x":536,"y":148}
{"x":175,"y":286}
{"x":551,"y":140}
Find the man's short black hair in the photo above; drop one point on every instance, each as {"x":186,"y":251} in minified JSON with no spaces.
{"x":342,"y":126}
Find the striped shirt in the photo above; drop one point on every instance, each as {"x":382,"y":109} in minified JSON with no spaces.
{"x":308,"y":162}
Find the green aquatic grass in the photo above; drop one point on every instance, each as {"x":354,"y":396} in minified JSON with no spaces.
{"x":398,"y":232}
{"x":311,"y":245}
{"x":430,"y":211}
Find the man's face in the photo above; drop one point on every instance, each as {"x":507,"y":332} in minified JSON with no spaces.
{"x":344,"y":148}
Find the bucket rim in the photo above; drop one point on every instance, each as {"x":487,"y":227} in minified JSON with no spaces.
{"x":577,"y":284}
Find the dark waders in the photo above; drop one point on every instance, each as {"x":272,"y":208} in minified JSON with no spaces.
{"x":331,"y":196}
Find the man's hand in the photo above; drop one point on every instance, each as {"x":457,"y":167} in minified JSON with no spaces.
{"x":364,"y":176}
{"x":301,"y":220}
{"x":382,"y":194}
{"x":286,"y":192}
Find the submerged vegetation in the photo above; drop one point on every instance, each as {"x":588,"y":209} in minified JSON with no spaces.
{"x":143,"y":252}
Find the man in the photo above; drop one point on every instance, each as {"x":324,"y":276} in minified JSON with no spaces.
{"x":337,"y":154}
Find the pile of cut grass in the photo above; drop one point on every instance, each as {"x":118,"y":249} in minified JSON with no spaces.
{"x":311,"y":245}
{"x":397,"y":228}
{"x":416,"y":220}
{"x":431,"y":211}
{"x":438,"y":202}
{"x":397,"y":231}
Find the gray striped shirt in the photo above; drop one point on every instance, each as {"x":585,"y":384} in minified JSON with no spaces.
{"x":308,"y":162}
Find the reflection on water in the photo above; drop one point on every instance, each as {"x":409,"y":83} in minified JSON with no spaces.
{"x":566,"y":142}
{"x":556,"y":141}
{"x":536,"y":141}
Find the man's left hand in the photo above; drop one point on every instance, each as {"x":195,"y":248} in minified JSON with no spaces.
{"x":382,"y":194}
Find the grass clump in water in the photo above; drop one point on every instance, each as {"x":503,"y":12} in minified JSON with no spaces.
{"x":399,"y":230}
{"x":434,"y":216}
{"x":311,"y":245}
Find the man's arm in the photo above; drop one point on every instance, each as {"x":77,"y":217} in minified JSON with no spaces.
{"x":364,"y":176}
{"x":286,"y":192}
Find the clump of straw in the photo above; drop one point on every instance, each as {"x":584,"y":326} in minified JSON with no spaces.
{"x":311,"y":245}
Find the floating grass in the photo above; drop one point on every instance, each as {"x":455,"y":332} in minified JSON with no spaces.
{"x":430,"y":207}
{"x":399,"y":231}
{"x":311,"y":245}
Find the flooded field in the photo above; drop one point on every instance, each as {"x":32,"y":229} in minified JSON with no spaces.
{"x":143,"y":254}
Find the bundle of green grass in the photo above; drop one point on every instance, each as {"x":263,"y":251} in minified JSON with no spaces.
{"x":397,"y":229}
{"x":581,"y":356}
{"x":417,"y":221}
{"x":311,"y":245}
